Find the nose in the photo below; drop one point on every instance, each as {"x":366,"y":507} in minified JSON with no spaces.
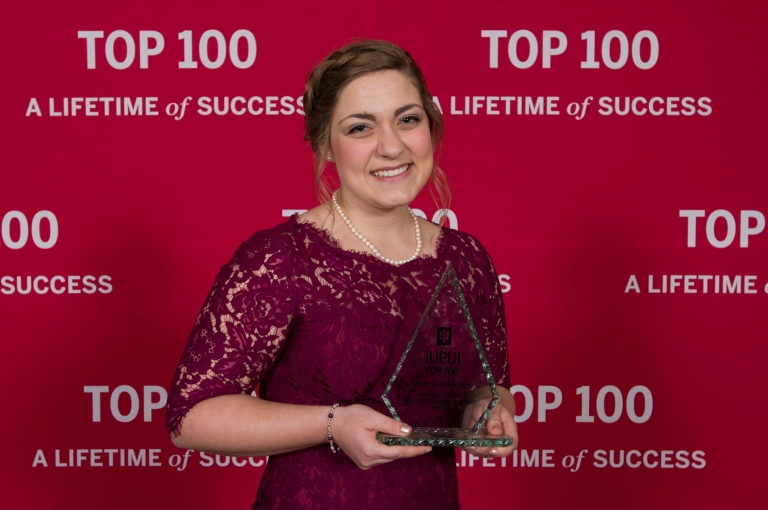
{"x":390,"y":145}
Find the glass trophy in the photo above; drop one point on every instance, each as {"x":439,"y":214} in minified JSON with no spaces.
{"x":441,"y":372}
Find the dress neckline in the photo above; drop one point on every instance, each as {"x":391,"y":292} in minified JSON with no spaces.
{"x":363,"y":256}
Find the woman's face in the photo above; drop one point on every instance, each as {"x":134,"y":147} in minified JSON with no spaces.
{"x":380,"y":141}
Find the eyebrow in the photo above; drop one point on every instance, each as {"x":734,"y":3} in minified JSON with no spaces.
{"x":368,"y":116}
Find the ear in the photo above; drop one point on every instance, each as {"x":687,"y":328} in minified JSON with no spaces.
{"x":324,"y":152}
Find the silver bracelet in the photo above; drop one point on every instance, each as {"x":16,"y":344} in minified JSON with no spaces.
{"x":334,"y":448}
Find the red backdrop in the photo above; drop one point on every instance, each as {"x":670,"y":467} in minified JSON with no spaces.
{"x":623,"y":203}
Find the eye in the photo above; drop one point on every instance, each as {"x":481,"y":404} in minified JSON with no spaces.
{"x":357,"y":129}
{"x":411,"y":119}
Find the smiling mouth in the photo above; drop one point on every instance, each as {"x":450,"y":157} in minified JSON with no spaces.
{"x":390,"y":173}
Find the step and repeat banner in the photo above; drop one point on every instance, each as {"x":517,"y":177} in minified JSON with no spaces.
{"x":611,"y":157}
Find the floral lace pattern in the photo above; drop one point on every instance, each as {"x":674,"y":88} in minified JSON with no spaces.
{"x":313,"y":324}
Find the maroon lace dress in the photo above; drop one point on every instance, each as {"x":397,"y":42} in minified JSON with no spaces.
{"x":313,"y":324}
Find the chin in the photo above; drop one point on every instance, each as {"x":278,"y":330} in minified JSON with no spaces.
{"x":398,"y":200}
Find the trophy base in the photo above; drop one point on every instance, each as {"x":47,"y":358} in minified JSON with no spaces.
{"x":428,"y":436}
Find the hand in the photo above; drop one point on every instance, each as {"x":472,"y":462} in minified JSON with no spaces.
{"x":354,"y":430}
{"x":500,"y":421}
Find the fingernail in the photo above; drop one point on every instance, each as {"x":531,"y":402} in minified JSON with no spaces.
{"x":471,"y":448}
{"x":429,"y":449}
{"x":405,"y":429}
{"x":494,"y":451}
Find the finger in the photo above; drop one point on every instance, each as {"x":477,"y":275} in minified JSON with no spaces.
{"x":481,"y":451}
{"x":494,"y":423}
{"x":509,"y":426}
{"x":498,"y":423}
{"x":390,"y":426}
{"x":391,"y":453}
{"x":489,"y":451}
{"x":510,"y":429}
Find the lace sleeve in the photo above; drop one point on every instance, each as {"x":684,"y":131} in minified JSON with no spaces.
{"x":241,"y":329}
{"x":494,"y":324}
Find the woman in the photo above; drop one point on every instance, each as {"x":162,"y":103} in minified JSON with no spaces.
{"x":315,"y":309}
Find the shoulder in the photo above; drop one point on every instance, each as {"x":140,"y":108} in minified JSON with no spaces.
{"x":470,"y":259}
{"x":463,"y":244}
{"x":318,"y":216}
{"x":270,"y":248}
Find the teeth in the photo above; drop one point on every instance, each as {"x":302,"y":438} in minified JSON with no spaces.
{"x":391,"y":173}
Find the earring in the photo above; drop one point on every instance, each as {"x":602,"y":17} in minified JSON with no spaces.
{"x":329,"y":157}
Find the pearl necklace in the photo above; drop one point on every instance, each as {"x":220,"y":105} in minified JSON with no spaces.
{"x":370,"y":245}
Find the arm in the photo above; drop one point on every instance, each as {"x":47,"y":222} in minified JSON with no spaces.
{"x":244,"y":426}
{"x":240,"y":332}
{"x":493,"y":331}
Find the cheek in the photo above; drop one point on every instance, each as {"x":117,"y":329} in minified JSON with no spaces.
{"x":351,"y":153}
{"x":421,"y":144}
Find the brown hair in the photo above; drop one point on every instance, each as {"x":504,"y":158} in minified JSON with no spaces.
{"x":336,"y":71}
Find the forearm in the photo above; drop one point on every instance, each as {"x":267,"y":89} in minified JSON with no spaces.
{"x":250,"y":427}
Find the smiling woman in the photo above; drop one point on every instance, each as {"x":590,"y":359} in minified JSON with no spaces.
{"x":381,"y":144}
{"x":331,"y":78}
{"x":317,"y":312}
{"x":383,"y":154}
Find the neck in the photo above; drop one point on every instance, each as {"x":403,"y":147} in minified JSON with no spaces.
{"x":389,"y":221}
{"x":383,"y":232}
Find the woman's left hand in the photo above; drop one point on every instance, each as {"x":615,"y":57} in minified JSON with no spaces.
{"x":500,"y":421}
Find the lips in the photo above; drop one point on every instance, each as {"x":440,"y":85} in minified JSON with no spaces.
{"x":390,"y":173}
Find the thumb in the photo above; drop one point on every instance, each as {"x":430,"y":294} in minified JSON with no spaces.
{"x":395,"y":427}
{"x":494,"y":424}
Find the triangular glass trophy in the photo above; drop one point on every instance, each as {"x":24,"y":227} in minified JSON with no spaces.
{"x":442,"y":369}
